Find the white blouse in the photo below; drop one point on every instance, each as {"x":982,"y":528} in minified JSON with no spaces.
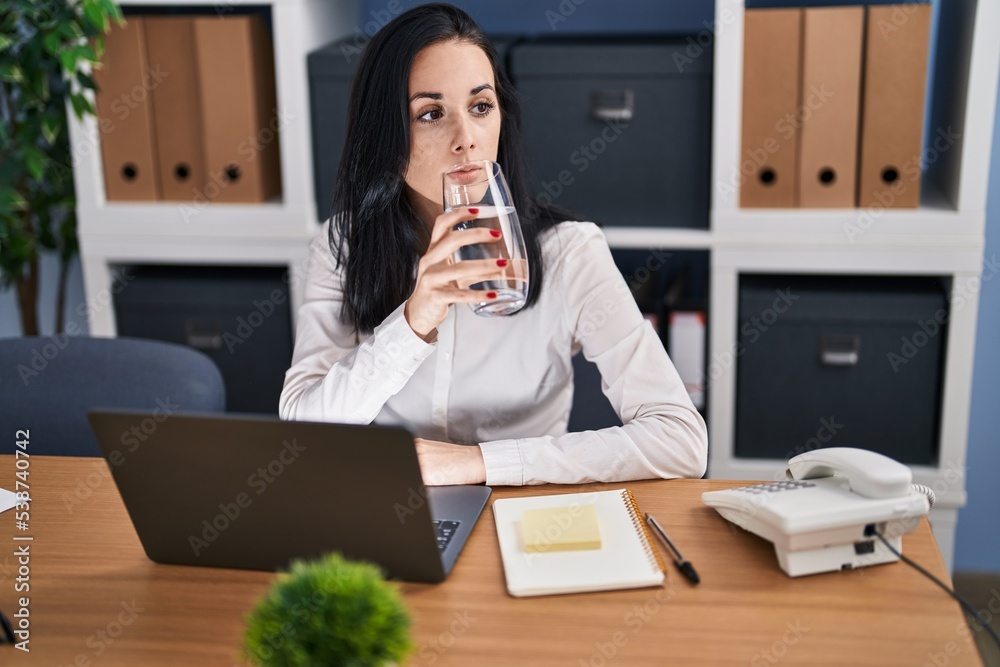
{"x":506,"y":383}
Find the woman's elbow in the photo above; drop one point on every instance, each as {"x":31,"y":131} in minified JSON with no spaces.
{"x":686,"y":448}
{"x":286,"y":406}
{"x":290,"y":399}
{"x":699,"y":446}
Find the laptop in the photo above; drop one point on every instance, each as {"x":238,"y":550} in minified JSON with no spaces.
{"x":255,"y":492}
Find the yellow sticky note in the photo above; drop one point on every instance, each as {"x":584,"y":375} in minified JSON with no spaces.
{"x":570,"y":528}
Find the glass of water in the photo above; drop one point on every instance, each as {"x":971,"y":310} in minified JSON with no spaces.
{"x":480,"y":184}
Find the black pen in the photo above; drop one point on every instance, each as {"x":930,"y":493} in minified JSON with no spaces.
{"x":685,"y":567}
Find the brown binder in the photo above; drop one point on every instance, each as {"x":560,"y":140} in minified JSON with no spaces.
{"x":831,"y":89}
{"x":125,"y":115}
{"x":176,"y":107}
{"x":892,"y":124}
{"x":240,"y":123}
{"x":771,"y":62}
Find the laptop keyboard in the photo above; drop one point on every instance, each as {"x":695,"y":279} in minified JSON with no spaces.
{"x":445,"y":531}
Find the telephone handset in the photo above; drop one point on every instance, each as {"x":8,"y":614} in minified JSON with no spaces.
{"x":869,"y":474}
{"x":822,"y":517}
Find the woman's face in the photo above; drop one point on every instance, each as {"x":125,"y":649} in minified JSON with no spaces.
{"x":454,"y":117}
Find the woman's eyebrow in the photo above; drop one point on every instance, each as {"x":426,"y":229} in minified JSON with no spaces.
{"x":438,"y":96}
{"x":433,"y":96}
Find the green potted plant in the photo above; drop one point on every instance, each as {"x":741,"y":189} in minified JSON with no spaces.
{"x":330,"y":612}
{"x":43,"y":44}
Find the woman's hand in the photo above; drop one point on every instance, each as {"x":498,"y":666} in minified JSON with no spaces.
{"x":438,"y":277}
{"x":442,"y":463}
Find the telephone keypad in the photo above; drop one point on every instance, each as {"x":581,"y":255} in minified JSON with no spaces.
{"x":774,"y":487}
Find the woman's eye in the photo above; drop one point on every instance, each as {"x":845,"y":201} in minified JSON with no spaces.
{"x":483,"y":108}
{"x":430,"y":116}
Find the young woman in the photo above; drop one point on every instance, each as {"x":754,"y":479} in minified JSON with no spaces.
{"x":384,"y":335}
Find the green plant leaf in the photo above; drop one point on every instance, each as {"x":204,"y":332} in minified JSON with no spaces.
{"x":81,"y":105}
{"x":86,"y":81}
{"x":11,"y":72}
{"x":41,"y":86}
{"x":51,"y":124}
{"x":87,"y":51}
{"x":71,"y":31}
{"x":330,"y":611}
{"x":5,"y":41}
{"x":67,"y":59}
{"x":92,"y":10}
{"x":35,"y":161}
{"x":113,"y":11}
{"x":52,"y":42}
{"x":11,"y":200}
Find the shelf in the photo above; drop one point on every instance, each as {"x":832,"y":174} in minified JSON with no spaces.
{"x":936,"y":222}
{"x":955,"y":181}
{"x":658,"y":237}
{"x":184,"y":220}
{"x":275,"y":233}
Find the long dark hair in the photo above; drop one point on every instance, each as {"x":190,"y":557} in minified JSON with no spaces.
{"x":372,"y":217}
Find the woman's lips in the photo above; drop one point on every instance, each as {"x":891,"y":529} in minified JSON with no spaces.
{"x":466,"y":177}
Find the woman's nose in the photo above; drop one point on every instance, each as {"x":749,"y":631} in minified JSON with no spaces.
{"x":464,"y":139}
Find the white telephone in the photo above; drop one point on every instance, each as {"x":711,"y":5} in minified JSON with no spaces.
{"x":825,"y":516}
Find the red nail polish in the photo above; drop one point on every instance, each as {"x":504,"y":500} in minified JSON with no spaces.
{"x":473,"y":210}
{"x":491,"y":295}
{"x":501,"y":262}
{"x":495,"y":233}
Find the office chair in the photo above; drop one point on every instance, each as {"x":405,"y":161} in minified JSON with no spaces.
{"x":48,"y":383}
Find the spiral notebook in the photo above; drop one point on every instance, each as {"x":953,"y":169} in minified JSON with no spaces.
{"x":626,"y":558}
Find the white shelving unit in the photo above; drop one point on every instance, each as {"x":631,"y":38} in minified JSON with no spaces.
{"x":944,"y":237}
{"x":272,"y":233}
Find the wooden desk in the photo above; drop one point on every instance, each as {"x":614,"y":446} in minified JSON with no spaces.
{"x":89,"y":575}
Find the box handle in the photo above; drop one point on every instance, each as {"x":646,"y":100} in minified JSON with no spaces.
{"x":839,"y":349}
{"x":203,"y":333}
{"x":612,"y":104}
